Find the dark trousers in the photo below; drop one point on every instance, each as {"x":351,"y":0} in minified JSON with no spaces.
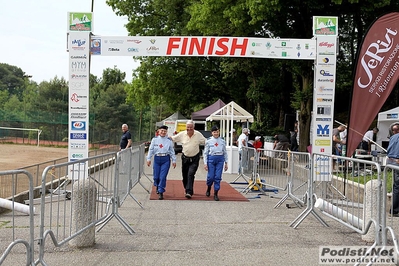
{"x":189,"y":168}
{"x":395,"y":192}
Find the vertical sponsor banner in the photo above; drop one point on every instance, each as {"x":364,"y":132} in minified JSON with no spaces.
{"x":376,"y":75}
{"x":326,"y":29}
{"x":78,"y":125}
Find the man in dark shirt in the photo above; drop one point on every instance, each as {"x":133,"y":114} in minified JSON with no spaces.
{"x":281,"y":143}
{"x":126,"y":139}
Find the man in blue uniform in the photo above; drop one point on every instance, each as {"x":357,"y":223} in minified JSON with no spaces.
{"x":215,"y":159}
{"x":162,"y":149}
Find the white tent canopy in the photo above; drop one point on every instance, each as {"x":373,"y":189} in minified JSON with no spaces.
{"x":227,"y":115}
{"x":385,"y":120}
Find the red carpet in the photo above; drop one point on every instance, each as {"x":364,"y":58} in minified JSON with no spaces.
{"x":175,"y":191}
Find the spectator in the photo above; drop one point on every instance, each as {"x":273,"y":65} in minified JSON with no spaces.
{"x":368,"y":138}
{"x":126,"y":139}
{"x":242,"y":142}
{"x":393,"y":158}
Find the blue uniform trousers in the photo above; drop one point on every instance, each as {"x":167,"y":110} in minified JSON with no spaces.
{"x":161,"y":168}
{"x":215,"y":168}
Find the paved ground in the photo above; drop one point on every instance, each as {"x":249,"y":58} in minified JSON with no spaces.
{"x":190,"y":232}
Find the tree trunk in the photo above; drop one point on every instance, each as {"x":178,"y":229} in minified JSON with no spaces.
{"x":305,"y":116}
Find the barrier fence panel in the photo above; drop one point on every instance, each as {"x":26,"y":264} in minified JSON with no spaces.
{"x":59,"y":205}
{"x":129,"y":173}
{"x":298,"y":173}
{"x":142,"y":167}
{"x":339,"y":187}
{"x":390,"y":225}
{"x":18,"y":219}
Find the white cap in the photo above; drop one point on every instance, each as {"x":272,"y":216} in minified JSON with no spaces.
{"x":233,"y":130}
{"x":257,"y":137}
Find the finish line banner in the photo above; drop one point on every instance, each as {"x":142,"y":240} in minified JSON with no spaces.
{"x":203,"y":46}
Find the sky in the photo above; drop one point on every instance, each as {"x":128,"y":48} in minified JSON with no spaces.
{"x":33,"y":36}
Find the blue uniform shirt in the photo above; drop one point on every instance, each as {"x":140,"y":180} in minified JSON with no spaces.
{"x":215,"y":146}
{"x":161,"y":145}
{"x":393,"y":147}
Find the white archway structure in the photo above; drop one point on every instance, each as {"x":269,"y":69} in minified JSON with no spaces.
{"x":82,"y":44}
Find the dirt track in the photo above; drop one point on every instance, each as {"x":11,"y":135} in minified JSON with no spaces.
{"x":13,"y":156}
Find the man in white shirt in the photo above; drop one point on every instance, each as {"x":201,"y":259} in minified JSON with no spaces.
{"x":370,"y":136}
{"x":190,"y":139}
{"x":242,"y":142}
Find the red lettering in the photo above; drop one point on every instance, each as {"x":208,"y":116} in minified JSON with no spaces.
{"x":211,"y":45}
{"x":214,"y":46}
{"x":235,"y":46}
{"x":184,"y":47}
{"x":199,"y":47}
{"x":220,"y":44}
{"x":172,"y":45}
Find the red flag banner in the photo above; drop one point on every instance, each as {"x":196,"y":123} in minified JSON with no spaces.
{"x":377,"y":71}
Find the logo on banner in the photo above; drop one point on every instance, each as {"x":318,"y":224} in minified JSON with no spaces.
{"x":133,"y":50}
{"x":135,"y":41}
{"x":76,"y":85}
{"x":76,"y":97}
{"x":325,"y":73}
{"x":79,"y":44}
{"x":78,"y":115}
{"x":95,"y":47}
{"x":78,"y":146}
{"x":80,"y":21}
{"x":323,"y":110}
{"x":77,"y":156}
{"x":78,"y":56}
{"x":78,"y":135}
{"x":78,"y":125}
{"x":392,"y":116}
{"x":323,"y":131}
{"x":82,"y":76}
{"x":78,"y":66}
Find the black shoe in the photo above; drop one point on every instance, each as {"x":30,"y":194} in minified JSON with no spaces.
{"x":160,"y":196}
{"x":157,"y":190}
{"x":208,"y":191}
{"x":215,"y":197}
{"x":188,"y":195}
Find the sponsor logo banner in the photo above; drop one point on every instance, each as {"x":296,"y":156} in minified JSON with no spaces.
{"x":208,"y":46}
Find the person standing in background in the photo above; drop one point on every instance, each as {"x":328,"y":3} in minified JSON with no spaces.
{"x":393,"y":159}
{"x":368,"y":139}
{"x":162,"y":149}
{"x":215,"y":160}
{"x":190,"y":139}
{"x":257,"y":143}
{"x":235,"y":138}
{"x":126,"y":139}
{"x":242,"y":142}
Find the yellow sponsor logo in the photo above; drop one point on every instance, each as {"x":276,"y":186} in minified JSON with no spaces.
{"x":322,"y":142}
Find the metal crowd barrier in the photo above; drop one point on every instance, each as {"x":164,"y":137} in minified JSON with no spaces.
{"x":111,"y":177}
{"x":389,"y":226}
{"x":19,"y":224}
{"x":56,"y":214}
